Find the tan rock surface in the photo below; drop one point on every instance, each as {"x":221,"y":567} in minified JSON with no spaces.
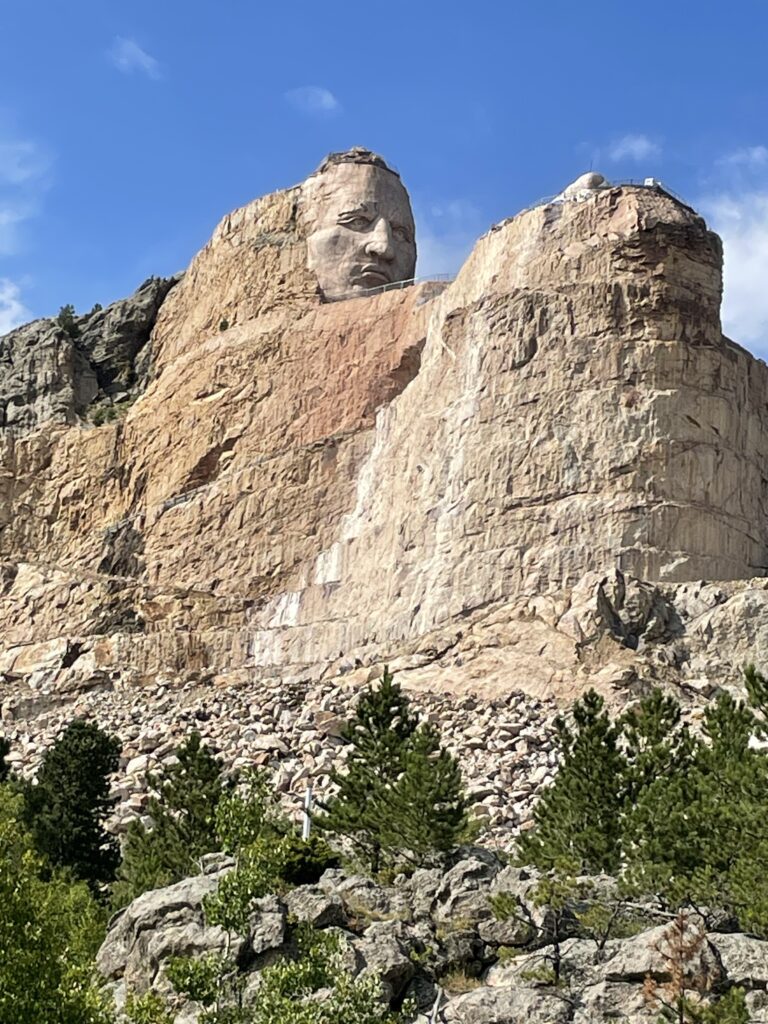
{"x":421,"y":475}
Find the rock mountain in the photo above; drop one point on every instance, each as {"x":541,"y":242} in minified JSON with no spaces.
{"x":522,"y":479}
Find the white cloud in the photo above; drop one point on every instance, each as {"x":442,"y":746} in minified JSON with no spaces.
{"x":22,"y":161}
{"x":741,"y":220}
{"x":128,"y":56}
{"x":12,"y":310}
{"x":749,"y":156}
{"x":24,"y":178}
{"x":633,"y":147}
{"x":313,"y":99}
{"x":13,"y":213}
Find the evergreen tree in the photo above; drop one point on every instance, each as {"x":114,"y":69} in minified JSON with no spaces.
{"x":426,"y":808}
{"x":690,"y":828}
{"x":67,"y":321}
{"x":183,"y":823}
{"x":65,"y":811}
{"x":655,"y":743}
{"x":579,"y":818}
{"x":50,"y":930}
{"x":379,"y":807}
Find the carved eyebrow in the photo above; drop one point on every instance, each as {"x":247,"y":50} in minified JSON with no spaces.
{"x":364,"y":210}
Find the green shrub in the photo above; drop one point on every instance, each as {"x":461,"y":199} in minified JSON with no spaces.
{"x":67,"y":321}
{"x":50,"y":930}
{"x":303,"y":862}
{"x":183,"y":823}
{"x":147,"y":1009}
{"x":288,"y":988}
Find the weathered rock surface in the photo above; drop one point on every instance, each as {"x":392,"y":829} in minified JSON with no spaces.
{"x":421,"y":476}
{"x":404,"y":938}
{"x":156,"y":927}
{"x":49,"y":374}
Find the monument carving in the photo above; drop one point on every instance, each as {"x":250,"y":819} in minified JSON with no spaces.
{"x":359,"y":223}
{"x":307,"y":487}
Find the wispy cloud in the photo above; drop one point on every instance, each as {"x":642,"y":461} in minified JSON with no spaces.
{"x":633,"y":147}
{"x":22,"y":161}
{"x":749,"y":156}
{"x":446,"y":232}
{"x":12,"y":310}
{"x":129,"y":57}
{"x":736,"y":207}
{"x":741,"y":220}
{"x":24,"y":178}
{"x":313,"y":99}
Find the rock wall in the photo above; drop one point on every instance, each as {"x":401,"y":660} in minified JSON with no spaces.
{"x":437,"y":938}
{"x":52,"y":371}
{"x":307,"y":488}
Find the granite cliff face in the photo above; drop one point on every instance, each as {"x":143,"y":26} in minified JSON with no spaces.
{"x":440,"y":476}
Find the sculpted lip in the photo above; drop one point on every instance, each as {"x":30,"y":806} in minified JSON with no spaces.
{"x":371,"y":271}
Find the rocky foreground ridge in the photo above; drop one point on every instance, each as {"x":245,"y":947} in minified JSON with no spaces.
{"x":440,"y":939}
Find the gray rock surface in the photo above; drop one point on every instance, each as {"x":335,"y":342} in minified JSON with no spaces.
{"x":508,"y":1006}
{"x":50,"y":373}
{"x":158,"y":926}
{"x":418,"y":949}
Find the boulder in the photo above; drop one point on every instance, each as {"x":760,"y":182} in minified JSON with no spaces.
{"x":508,"y":1006}
{"x":462,"y":897}
{"x":157,"y":926}
{"x":653,"y":954}
{"x":266,"y":926}
{"x":383,"y":952}
{"x":313,"y":906}
{"x":744,"y":959}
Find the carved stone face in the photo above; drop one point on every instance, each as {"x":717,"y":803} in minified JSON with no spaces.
{"x":360,"y":229}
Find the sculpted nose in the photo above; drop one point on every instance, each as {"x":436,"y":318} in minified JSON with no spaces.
{"x":380,"y":242}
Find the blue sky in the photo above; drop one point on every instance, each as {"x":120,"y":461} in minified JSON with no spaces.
{"x":128,"y":129}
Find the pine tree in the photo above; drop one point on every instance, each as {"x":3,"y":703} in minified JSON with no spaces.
{"x":377,"y":807}
{"x":579,"y":818}
{"x":67,"y":321}
{"x":426,"y":808}
{"x":66,"y":810}
{"x":693,"y":833}
{"x":655,"y":742}
{"x":183,"y":823}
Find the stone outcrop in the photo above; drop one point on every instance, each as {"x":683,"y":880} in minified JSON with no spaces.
{"x":440,"y":939}
{"x":438,"y":476}
{"x":52,"y":372}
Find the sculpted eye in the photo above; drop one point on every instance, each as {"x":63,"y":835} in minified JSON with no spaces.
{"x":356,"y":221}
{"x":402,"y":233}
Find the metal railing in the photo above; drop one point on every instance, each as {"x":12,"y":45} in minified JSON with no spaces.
{"x":649,"y":183}
{"x":393,"y":286}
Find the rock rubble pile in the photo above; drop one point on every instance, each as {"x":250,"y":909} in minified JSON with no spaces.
{"x":505,"y":746}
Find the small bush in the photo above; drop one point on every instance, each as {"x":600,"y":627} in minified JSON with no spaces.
{"x":67,"y":321}
{"x":303,"y":862}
